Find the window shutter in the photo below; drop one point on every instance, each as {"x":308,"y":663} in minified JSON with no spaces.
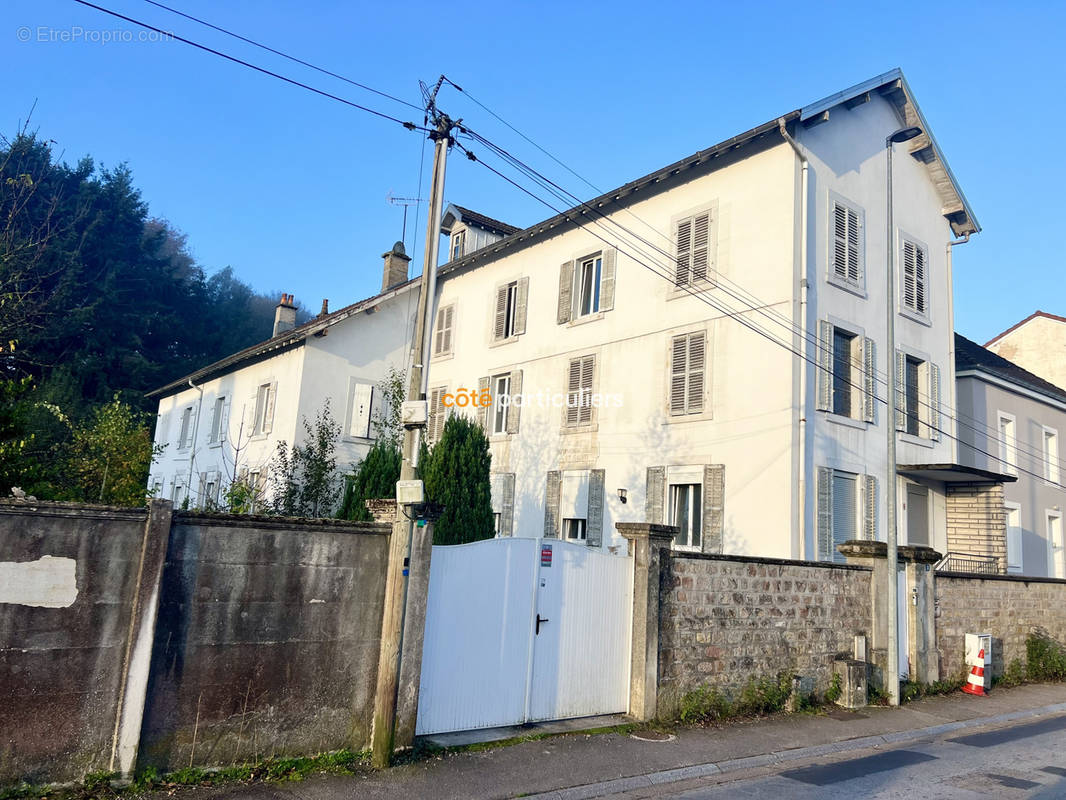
{"x":500,"y":315}
{"x":362,"y":399}
{"x":588,"y":366}
{"x":696,"y":357}
{"x":192,"y":427}
{"x":573,"y":387}
{"x":869,"y":380}
{"x":854,"y":262}
{"x":713,"y":508}
{"x":909,"y":288}
{"x":268,"y":412}
{"x":845,"y":508}
{"x":223,"y":423}
{"x":934,"y":402}
{"x":483,"y":410}
{"x":566,"y":288}
{"x":552,"y":491}
{"x":514,"y":411}
{"x":607,"y":279}
{"x":654,"y":494}
{"x":435,"y":422}
{"x":901,"y":391}
{"x":840,"y":240}
{"x":701,"y":248}
{"x":825,"y":369}
{"x":678,"y":353}
{"x":507,"y":509}
{"x":825,"y":514}
{"x":919,"y":279}
{"x":521,"y":297}
{"x":683,"y":253}
{"x":594,"y":525}
{"x":443,"y":337}
{"x":869,"y":505}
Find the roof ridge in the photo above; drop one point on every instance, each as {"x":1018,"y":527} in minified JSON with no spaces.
{"x":1015,"y":326}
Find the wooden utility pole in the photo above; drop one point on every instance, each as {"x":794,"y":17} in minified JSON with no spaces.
{"x":415,"y":417}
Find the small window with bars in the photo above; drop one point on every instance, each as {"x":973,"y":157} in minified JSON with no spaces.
{"x":694,"y":249}
{"x":913,"y":288}
{"x":846,"y":237}
{"x":688,"y":355}
{"x":579,"y":391}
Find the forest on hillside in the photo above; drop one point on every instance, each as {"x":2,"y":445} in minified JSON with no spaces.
{"x":99,"y":303}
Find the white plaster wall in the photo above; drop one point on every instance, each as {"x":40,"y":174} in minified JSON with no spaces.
{"x":1038,"y":346}
{"x":749,"y":385}
{"x":847,"y":157}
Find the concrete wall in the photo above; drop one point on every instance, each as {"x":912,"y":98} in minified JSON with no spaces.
{"x":1007,"y":607}
{"x":726,"y":619}
{"x":67,"y":577}
{"x":253,"y":636}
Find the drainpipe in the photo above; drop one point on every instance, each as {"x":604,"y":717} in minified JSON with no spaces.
{"x":799,"y":377}
{"x":195,"y":430}
{"x":951,"y":346}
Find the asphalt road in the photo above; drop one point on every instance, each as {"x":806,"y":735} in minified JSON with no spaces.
{"x":1022,"y":760}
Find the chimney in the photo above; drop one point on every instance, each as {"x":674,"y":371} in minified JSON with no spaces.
{"x":284,"y":315}
{"x":396,"y":261}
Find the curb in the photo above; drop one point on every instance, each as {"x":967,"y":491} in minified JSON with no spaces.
{"x":592,"y":790}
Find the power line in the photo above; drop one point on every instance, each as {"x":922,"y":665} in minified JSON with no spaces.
{"x":409,"y":125}
{"x":292,"y":58}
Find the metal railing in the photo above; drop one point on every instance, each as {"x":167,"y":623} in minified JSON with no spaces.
{"x":974,"y":563}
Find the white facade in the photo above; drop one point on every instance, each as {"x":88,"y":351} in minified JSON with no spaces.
{"x":748,"y":444}
{"x":229,"y":423}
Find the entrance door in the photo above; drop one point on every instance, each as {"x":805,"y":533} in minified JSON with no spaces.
{"x":917,"y":514}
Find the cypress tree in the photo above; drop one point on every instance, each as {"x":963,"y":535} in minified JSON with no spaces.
{"x":374,"y":479}
{"x":456,"y":475}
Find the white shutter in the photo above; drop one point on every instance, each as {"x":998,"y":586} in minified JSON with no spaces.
{"x":514,"y":411}
{"x":435,"y":422}
{"x":443,"y":335}
{"x":901,"y":391}
{"x":573,"y":390}
{"x":919,"y":279}
{"x":696,"y":355}
{"x":521,"y":298}
{"x":701,"y":246}
{"x":824,"y":480}
{"x":500,"y":316}
{"x":362,"y":402}
{"x":565,"y":311}
{"x":607,"y":279}
{"x":869,"y":503}
{"x":869,"y":380}
{"x":678,"y":353}
{"x":853,"y":248}
{"x":268,"y":411}
{"x":934,"y":402}
{"x":483,"y":410}
{"x":845,"y":507}
{"x":683,"y":253}
{"x":588,"y":366}
{"x":824,"y":401}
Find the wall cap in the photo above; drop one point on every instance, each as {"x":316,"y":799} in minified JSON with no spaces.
{"x":647,"y":530}
{"x":777,"y":562}
{"x":293,"y":524}
{"x":864,"y":548}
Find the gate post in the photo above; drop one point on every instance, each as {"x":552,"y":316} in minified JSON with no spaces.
{"x":646,"y":544}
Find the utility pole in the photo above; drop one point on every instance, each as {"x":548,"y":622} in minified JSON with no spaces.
{"x":409,"y":490}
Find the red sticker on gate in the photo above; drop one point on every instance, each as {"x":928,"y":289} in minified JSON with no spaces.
{"x":546,"y":555}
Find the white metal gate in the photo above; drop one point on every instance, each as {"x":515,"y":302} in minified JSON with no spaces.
{"x":519,"y":630}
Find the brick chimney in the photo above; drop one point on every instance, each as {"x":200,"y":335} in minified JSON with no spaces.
{"x":285,"y":315}
{"x":396,"y":261}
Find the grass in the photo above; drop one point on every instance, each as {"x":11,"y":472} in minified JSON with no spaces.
{"x":758,"y":697}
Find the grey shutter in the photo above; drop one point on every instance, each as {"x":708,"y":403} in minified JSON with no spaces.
{"x":573,"y":391}
{"x":654,"y":494}
{"x":901,"y":390}
{"x":607,"y":279}
{"x":919,"y":279}
{"x":521,"y":297}
{"x":934,"y":402}
{"x":840,"y":240}
{"x":678,"y":356}
{"x":443,"y":336}
{"x":482,"y":410}
{"x":869,"y":507}
{"x":499,"y":325}
{"x":594,"y":525}
{"x":507,"y":504}
{"x":435,"y":423}
{"x":713,"y":508}
{"x":552,"y":491}
{"x":514,"y":411}
{"x":701,"y":247}
{"x":825,"y":514}
{"x":696,"y":359}
{"x":683,"y":252}
{"x":566,"y":288}
{"x":825,"y":367}
{"x":869,"y":380}
{"x":588,"y":367}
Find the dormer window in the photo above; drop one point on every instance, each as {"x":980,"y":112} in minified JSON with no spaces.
{"x":458,"y":244}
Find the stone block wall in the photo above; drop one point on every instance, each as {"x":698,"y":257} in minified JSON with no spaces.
{"x":1007,"y":607}
{"x":977,"y":520}
{"x":726,"y":619}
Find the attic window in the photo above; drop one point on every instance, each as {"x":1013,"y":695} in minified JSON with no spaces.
{"x":458,"y":244}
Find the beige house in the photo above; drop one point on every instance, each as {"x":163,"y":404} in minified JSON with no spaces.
{"x":1036,"y":344}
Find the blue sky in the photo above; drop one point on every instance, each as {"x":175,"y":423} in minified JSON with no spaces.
{"x":290,"y":189}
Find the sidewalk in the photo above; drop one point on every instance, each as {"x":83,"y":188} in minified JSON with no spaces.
{"x":581,"y":760}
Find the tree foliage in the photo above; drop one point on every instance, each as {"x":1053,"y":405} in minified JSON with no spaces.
{"x":456,"y":474}
{"x":304,"y":480}
{"x":374,"y":479}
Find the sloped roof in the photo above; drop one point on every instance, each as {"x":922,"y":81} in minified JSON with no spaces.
{"x":487,"y":222}
{"x":1017,"y":325}
{"x":971,"y":356}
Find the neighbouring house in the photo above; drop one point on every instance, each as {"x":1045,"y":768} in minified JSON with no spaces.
{"x":1038,"y":344}
{"x":652,"y":335}
{"x":1009,"y":421}
{"x":224,"y":422}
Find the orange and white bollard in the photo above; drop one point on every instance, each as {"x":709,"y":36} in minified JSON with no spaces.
{"x":975,"y":683}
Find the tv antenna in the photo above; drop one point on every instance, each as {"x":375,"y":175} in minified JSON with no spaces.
{"x":406,"y":202}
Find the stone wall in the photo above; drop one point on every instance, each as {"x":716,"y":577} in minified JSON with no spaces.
{"x":725,"y":619}
{"x":976,"y":520}
{"x":1007,"y":607}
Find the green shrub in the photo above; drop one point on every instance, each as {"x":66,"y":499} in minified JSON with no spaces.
{"x":374,"y":479}
{"x":705,"y":705}
{"x":456,"y":475}
{"x":1046,"y":657}
{"x":832,"y":694}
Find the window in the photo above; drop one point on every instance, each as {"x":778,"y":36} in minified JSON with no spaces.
{"x":847,"y":509}
{"x":1014,"y":537}
{"x":846,"y":373}
{"x":442,"y":335}
{"x":458,"y":244}
{"x":1008,"y":450}
{"x":257,"y":484}
{"x":910,"y":387}
{"x":218,"y":421}
{"x":264,"y":409}
{"x":501,"y":402}
{"x":185,"y":434}
{"x":502,"y":496}
{"x":361,"y":400}
{"x":177,"y":493}
{"x":917,"y":396}
{"x":1051,"y":455}
{"x":693,"y":243}
{"x":574,"y":529}
{"x":579,"y":391}
{"x":157,"y":487}
{"x":510,"y":311}
{"x":687,"y":368}
{"x":496,"y":516}
{"x":847,"y":245}
{"x":686,"y":512}
{"x":845,"y":505}
{"x":587,"y":292}
{"x":914,"y":277}
{"x":845,"y":361}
